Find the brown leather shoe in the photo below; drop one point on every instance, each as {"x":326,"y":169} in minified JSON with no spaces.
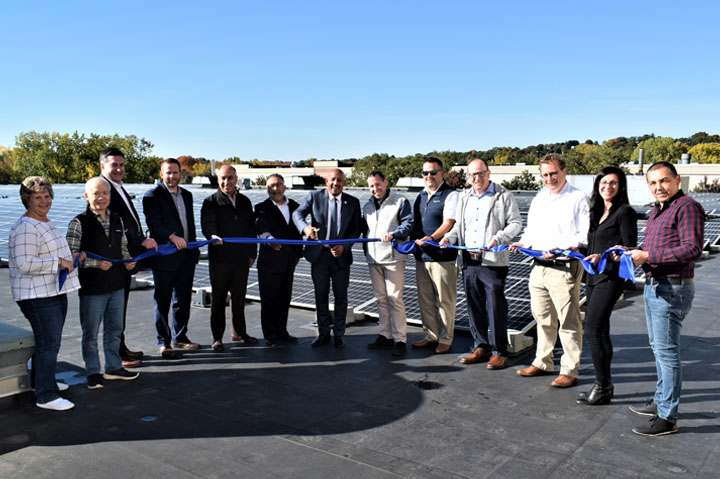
{"x":425,"y":343}
{"x":167,"y":352}
{"x":133,"y":363}
{"x":497,"y":362}
{"x":564,"y":381}
{"x":442,"y":348}
{"x":130,"y":355}
{"x":530,"y":371}
{"x":477,"y":356}
{"x":186,"y":345}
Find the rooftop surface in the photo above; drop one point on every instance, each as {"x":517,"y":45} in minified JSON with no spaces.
{"x":294,"y":411}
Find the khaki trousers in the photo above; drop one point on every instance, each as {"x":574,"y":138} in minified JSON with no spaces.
{"x":555,"y":303}
{"x":387,"y":282}
{"x":437,"y":296}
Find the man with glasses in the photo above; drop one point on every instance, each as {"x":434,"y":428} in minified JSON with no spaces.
{"x":436,"y":272}
{"x":558,"y":219}
{"x":487,"y":215}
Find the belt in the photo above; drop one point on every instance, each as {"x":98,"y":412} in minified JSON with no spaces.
{"x":552,"y":263}
{"x":665,"y":279}
{"x":475,"y":256}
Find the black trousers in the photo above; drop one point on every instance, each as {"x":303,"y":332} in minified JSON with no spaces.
{"x":275,"y":294}
{"x":123,"y":347}
{"x":226,"y":278}
{"x":487,"y":306}
{"x":323,"y":270}
{"x":601,"y":298}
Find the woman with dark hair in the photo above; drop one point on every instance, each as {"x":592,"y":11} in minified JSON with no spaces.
{"x":612,"y":222}
{"x":37,"y":253}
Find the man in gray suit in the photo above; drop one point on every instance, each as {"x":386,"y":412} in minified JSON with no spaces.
{"x":334,"y":215}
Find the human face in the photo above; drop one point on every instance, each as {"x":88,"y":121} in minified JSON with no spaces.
{"x":114,"y":168}
{"x":276,"y":189}
{"x":227,"y":180}
{"x":39,"y":204}
{"x":479,"y":176}
{"x":378,"y":187}
{"x":97,"y":193}
{"x":432,"y":182}
{"x":662,"y":184}
{"x":609,"y":187}
{"x":335,"y":182}
{"x":170,"y":175}
{"x":553,"y":177}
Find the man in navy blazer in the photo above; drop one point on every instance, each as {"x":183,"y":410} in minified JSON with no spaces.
{"x":334,"y":215}
{"x":169,"y":215}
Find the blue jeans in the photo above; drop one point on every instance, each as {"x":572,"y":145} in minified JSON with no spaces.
{"x":666,"y":305}
{"x":106,"y":308}
{"x":47,"y":318}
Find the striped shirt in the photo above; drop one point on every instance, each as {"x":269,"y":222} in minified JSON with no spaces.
{"x":34,"y":249}
{"x":74,"y":237}
{"x":674,"y":238}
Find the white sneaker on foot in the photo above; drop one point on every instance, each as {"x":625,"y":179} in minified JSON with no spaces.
{"x":58,"y":404}
{"x":63,"y":386}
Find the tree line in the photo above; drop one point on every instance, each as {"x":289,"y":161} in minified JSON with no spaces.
{"x":73,"y":158}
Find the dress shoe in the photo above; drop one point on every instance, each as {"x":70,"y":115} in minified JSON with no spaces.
{"x":497,"y":362}
{"x":128,"y":355}
{"x":425,"y":343}
{"x":531,"y":371}
{"x":399,"y":349}
{"x":289,"y":338}
{"x":131,"y":363}
{"x":186,"y":345}
{"x":320,"y":340}
{"x":597,"y":396}
{"x":477,"y":356}
{"x":272,"y":343}
{"x":381,"y":342}
{"x":167,"y":352}
{"x":249,"y":339}
{"x":564,"y":381}
{"x":218,"y":346}
{"x":237,"y":339}
{"x":339,"y":342}
{"x":442,"y":349}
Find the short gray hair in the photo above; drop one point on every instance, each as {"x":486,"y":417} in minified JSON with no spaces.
{"x":34,"y":184}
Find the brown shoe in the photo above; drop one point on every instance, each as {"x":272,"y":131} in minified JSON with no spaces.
{"x":564,"y":381}
{"x":236,"y":339}
{"x":477,"y":356}
{"x":530,"y":371}
{"x":167,"y":352}
{"x":130,"y":355}
{"x":442,"y":348}
{"x":497,"y":362}
{"x":425,"y":343}
{"x":186,"y":345}
{"x":134,"y":363}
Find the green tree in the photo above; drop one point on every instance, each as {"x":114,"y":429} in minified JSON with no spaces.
{"x":705,"y":152}
{"x":588,"y":159}
{"x":662,"y":148}
{"x":376,"y":161}
{"x":524,"y":181}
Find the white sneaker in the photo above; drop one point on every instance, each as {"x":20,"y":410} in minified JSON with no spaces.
{"x":62,"y":386}
{"x":58,"y":404}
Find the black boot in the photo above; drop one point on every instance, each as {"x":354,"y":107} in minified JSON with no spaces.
{"x":598,"y":395}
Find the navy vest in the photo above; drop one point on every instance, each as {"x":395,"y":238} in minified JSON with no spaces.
{"x":94,"y":239}
{"x":428,"y":218}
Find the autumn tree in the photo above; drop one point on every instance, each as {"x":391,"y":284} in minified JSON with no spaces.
{"x":705,"y":153}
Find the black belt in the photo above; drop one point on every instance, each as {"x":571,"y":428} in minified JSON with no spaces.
{"x":665,"y":279}
{"x":552,"y":263}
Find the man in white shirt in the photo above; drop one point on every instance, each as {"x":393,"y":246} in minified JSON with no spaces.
{"x":558,"y":219}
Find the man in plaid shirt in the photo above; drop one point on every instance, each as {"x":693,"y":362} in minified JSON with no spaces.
{"x":673,"y":241}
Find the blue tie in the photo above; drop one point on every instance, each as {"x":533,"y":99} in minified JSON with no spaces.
{"x":333,"y":219}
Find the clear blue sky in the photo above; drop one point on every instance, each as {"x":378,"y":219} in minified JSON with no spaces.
{"x":290,"y":80}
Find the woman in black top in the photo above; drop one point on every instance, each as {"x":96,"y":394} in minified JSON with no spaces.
{"x":612,"y":222}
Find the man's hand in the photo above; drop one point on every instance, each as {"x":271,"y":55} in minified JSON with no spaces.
{"x":548,"y":255}
{"x":515,"y":246}
{"x":492,"y":243}
{"x":250,"y":262}
{"x":219,"y":240}
{"x":387,"y":237}
{"x":311,"y":232}
{"x":593,"y":258}
{"x":444,"y":242}
{"x":104,"y":265}
{"x":639,"y":256}
{"x":149,"y":243}
{"x":178,"y":241}
{"x":129,"y":266}
{"x":421,"y":241}
{"x":337,"y":250}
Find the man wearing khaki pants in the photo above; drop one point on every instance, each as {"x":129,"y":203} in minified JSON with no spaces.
{"x":558,"y":219}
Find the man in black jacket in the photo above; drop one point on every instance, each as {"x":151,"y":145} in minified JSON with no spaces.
{"x":169,"y":215}
{"x":112,"y":167}
{"x":276,"y":264}
{"x":228,"y":213}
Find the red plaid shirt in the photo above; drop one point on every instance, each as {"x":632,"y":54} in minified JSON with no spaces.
{"x":674,"y":238}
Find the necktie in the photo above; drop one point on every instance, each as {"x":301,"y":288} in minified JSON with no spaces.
{"x":333,"y":219}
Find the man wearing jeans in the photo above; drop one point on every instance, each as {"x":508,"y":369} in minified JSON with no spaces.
{"x":673,"y":241}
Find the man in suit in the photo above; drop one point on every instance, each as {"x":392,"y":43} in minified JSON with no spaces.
{"x":169,"y":215}
{"x":228,"y":213}
{"x":112,"y":168}
{"x":276,"y":263}
{"x":334,"y":215}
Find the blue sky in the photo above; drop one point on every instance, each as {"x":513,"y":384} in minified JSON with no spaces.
{"x":284,"y":80}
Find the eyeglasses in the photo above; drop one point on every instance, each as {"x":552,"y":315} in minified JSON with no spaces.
{"x":431,"y":172}
{"x":609,"y":183}
{"x":478,"y":174}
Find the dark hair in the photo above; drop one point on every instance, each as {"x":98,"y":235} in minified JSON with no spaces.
{"x":432,"y":159}
{"x":110,"y":152}
{"x":553,"y":158}
{"x":597,"y":204}
{"x":376,"y":173}
{"x":276,"y":175}
{"x":172,"y":161}
{"x":662,"y":164}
